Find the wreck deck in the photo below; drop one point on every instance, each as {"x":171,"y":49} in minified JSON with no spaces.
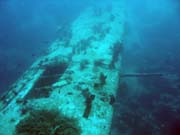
{"x":78,"y":76}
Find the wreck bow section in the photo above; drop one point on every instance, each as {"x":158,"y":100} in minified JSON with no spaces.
{"x":78,"y":77}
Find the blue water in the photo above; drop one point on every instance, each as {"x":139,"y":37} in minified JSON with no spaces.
{"x":144,"y":106}
{"x":27,"y":28}
{"x":155,"y":35}
{"x":150,"y":105}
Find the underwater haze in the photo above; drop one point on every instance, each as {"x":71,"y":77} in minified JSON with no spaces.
{"x":150,"y":105}
{"x":155,"y":33}
{"x":26,"y":30}
{"x":148,"y":102}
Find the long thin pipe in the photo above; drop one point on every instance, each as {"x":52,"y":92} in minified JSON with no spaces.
{"x":141,"y":75}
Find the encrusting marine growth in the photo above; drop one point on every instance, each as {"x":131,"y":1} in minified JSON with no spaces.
{"x":47,"y":122}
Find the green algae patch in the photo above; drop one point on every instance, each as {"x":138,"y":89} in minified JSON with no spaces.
{"x":47,"y":122}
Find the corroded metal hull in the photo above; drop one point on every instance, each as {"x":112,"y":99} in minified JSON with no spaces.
{"x":78,"y":76}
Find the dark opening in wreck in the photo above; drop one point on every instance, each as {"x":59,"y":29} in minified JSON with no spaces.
{"x":51,"y":74}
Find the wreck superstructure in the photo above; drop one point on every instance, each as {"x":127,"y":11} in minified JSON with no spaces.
{"x":78,"y":76}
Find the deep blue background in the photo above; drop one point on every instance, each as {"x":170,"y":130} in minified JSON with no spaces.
{"x":150,"y":105}
{"x":153,"y":35}
{"x":27,"y":28}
